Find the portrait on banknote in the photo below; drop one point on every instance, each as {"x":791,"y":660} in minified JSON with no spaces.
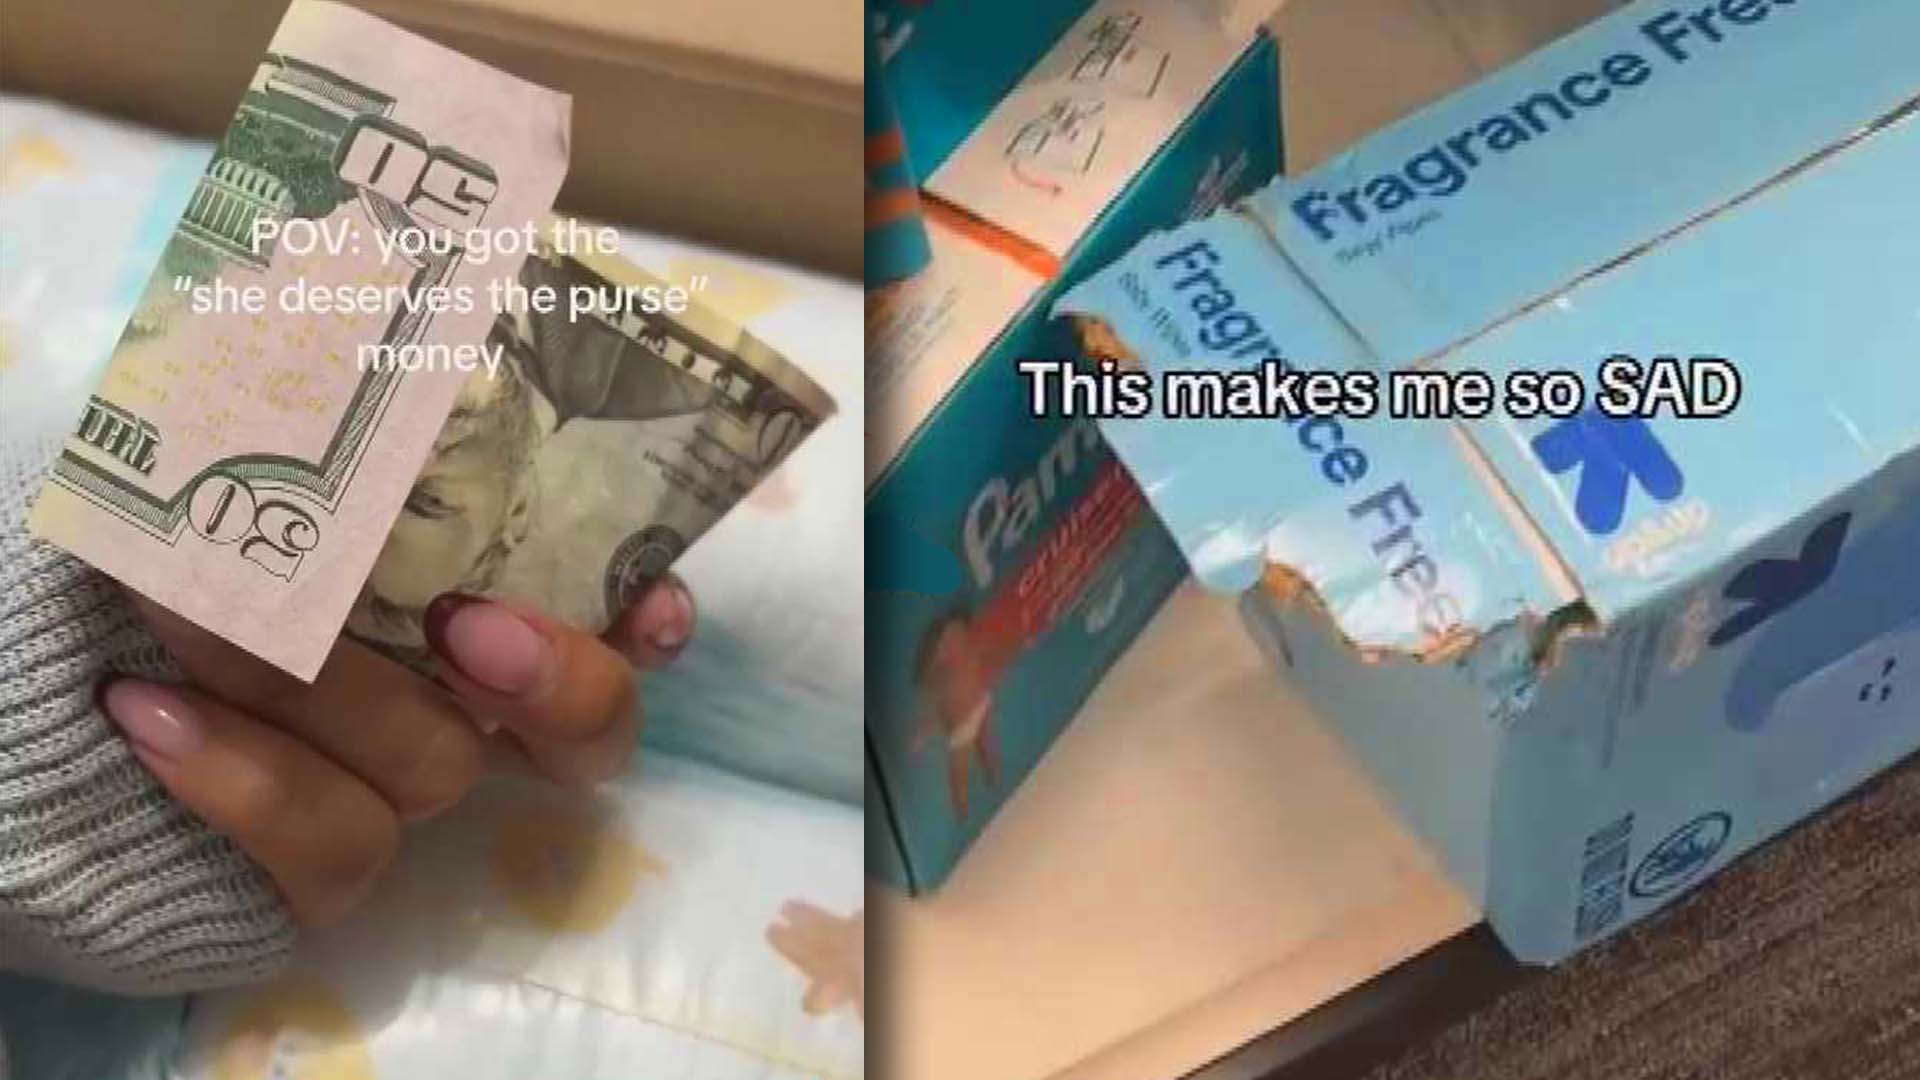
{"x":613,"y":431}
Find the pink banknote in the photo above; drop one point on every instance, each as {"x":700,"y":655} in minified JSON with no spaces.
{"x":297,"y":349}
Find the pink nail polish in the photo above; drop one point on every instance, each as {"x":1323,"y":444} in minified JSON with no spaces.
{"x":156,"y":718}
{"x":675,"y":623}
{"x":488,"y":644}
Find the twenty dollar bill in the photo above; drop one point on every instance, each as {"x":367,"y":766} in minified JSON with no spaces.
{"x":241,"y":465}
{"x":614,"y":431}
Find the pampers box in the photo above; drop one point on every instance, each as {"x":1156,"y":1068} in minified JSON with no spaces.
{"x":1593,"y":658}
{"x":1010,"y":559}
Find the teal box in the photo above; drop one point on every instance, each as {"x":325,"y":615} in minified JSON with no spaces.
{"x":1592,"y":657}
{"x":946,"y":63}
{"x":1010,"y":557}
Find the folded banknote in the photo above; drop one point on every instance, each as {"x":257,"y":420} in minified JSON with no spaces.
{"x":569,"y":476}
{"x":238,"y":462}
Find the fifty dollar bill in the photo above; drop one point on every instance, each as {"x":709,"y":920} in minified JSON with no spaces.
{"x":242,"y":468}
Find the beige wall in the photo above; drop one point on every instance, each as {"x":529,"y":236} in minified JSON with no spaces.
{"x":1349,"y":66}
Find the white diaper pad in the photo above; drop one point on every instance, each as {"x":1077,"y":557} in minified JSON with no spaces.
{"x":689,"y":923}
{"x":685,"y":923}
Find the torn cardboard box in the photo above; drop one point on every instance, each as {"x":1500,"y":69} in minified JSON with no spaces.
{"x":1591,"y":658}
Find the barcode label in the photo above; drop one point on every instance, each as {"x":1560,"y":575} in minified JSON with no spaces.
{"x":1603,"y":878}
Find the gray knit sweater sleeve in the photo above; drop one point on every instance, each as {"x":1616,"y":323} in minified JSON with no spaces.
{"x":104,"y":880}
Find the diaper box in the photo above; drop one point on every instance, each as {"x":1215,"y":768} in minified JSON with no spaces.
{"x":1592,"y":654}
{"x":945,"y":64}
{"x":1010,"y":558}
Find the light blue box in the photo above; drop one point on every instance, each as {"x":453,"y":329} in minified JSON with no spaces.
{"x":1591,"y":659}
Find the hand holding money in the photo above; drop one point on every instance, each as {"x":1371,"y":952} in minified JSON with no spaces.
{"x":297,"y":374}
{"x":313,"y":780}
{"x":249,"y":447}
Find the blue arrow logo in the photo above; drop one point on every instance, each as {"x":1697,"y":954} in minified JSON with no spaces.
{"x":1608,"y":452}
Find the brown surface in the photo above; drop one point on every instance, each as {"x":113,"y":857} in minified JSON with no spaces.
{"x":1397,"y":1009}
{"x":1800,"y":961}
{"x":732,"y":122}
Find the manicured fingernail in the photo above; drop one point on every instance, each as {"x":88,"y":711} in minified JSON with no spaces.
{"x":157,"y":719}
{"x":666,"y":615}
{"x":487,"y":643}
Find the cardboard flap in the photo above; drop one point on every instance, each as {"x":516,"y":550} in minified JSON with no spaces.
{"x":1506,"y":193}
{"x":1396,"y":526}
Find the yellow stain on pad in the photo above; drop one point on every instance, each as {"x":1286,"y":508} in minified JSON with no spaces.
{"x":30,"y":157}
{"x":732,"y":290}
{"x":567,"y":868}
{"x":293,"y":1031}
